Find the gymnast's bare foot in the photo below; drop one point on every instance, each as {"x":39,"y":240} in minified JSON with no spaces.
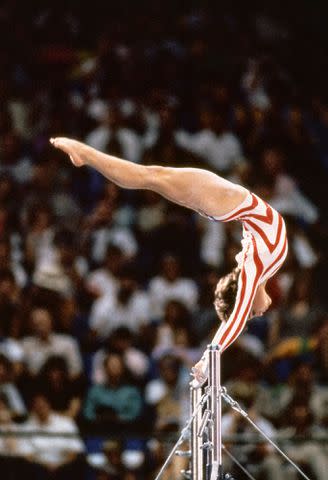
{"x":74,"y":149}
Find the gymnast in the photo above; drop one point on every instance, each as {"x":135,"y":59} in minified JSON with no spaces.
{"x":241,"y":294}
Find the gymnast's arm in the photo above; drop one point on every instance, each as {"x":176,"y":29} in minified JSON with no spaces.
{"x":229,"y":331}
{"x":194,"y":188}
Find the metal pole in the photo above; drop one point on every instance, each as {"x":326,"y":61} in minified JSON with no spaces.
{"x":183,"y":436}
{"x":215,"y":465}
{"x":197,"y":454}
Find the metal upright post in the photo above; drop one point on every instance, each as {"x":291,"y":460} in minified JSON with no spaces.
{"x":214,"y":468}
{"x":197,"y":454}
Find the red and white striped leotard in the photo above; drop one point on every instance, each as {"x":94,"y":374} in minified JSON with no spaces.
{"x":264,"y":251}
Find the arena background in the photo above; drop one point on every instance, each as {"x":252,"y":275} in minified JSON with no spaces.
{"x":106,"y":295}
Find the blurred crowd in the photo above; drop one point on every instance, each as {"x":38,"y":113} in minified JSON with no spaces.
{"x":106,"y":296}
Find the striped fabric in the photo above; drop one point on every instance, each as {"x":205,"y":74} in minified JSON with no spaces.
{"x":264,"y":251}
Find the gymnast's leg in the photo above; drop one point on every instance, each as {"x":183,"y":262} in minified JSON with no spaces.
{"x":194,"y":188}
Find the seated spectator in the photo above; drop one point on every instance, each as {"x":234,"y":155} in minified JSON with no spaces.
{"x":151,"y":213}
{"x":123,"y":208}
{"x":176,"y":315}
{"x":178,"y":235}
{"x":204,"y":316}
{"x":9,"y":314}
{"x":244,"y":381}
{"x":44,"y":343}
{"x":299,"y":241}
{"x":104,"y":280}
{"x":39,"y":238}
{"x":9,"y":391}
{"x":9,"y":194}
{"x":116,"y":402}
{"x":65,"y":206}
{"x":166,"y":394}
{"x":54,"y":457}
{"x":13,"y":160}
{"x":301,"y":313}
{"x":118,"y":463}
{"x":8,"y":262}
{"x":285,"y":195}
{"x":62,"y":269}
{"x":111,"y":133}
{"x":15,"y":451}
{"x":170,"y":285}
{"x":120,"y":341}
{"x":62,"y":393}
{"x":253,"y":84}
{"x":130,"y":307}
{"x":213,"y":239}
{"x":101,"y":230}
{"x":298,"y":421}
{"x":301,"y":384}
{"x":259,"y":458}
{"x":219,"y":147}
{"x":175,"y":335}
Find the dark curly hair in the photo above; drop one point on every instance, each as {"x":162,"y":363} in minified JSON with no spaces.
{"x":225,"y":294}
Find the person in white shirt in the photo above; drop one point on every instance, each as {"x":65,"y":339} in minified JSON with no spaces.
{"x":44,"y":343}
{"x":11,"y":445}
{"x":53,"y":453}
{"x":8,"y":389}
{"x":111,"y":130}
{"x":104,"y":280}
{"x":130,"y":307}
{"x":8,"y":262}
{"x":102,"y":231}
{"x":219,"y":147}
{"x":170,"y":285}
{"x":286,"y":197}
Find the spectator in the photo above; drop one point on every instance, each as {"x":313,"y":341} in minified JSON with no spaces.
{"x":165,"y":394}
{"x":101,"y":231}
{"x":298,"y":421}
{"x":174,"y":335}
{"x":54,"y":457}
{"x":114,"y":136}
{"x":8,"y":390}
{"x":121,"y":341}
{"x":204,"y":318}
{"x":301,"y":385}
{"x":40,"y":235}
{"x":8,"y":262}
{"x":117,"y":401}
{"x":62,"y":393}
{"x":170,"y":285}
{"x":15,"y":451}
{"x":130,"y":307}
{"x":120,"y":464}
{"x":300,"y":313}
{"x":9,"y":313}
{"x":44,"y":343}
{"x":285,"y":195}
{"x":260,"y":458}
{"x":219,"y":147}
{"x":104,"y":280}
{"x":14,"y":162}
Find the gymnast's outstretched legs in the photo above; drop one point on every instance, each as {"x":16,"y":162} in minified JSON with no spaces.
{"x":194,"y":188}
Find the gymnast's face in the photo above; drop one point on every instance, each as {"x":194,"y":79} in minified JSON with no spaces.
{"x":261,"y":303}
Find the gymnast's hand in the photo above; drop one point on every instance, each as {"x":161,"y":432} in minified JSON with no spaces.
{"x":74,"y":149}
{"x":200,"y":371}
